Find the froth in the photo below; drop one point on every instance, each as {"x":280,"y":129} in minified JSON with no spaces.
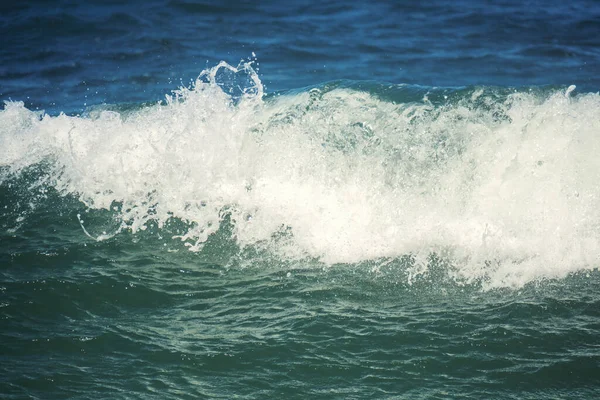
{"x":503,"y":186}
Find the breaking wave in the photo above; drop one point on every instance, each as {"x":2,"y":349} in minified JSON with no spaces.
{"x":504,"y":184}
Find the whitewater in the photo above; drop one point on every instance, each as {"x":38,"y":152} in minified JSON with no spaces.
{"x":500,"y":183}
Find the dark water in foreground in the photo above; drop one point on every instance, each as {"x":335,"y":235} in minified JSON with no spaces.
{"x":385,"y":201}
{"x":156,"y":326}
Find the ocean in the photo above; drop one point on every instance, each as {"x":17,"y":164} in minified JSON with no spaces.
{"x":312,"y":200}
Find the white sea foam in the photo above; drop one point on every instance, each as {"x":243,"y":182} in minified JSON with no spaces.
{"x":506,"y":187}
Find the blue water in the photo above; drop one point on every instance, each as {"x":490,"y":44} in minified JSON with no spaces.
{"x":59,"y":57}
{"x":299,"y":200}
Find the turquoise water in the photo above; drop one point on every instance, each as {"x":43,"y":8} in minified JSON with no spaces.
{"x":157,"y":326}
{"x":416,"y":224}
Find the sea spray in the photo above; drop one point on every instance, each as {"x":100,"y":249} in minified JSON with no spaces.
{"x":502,"y":185}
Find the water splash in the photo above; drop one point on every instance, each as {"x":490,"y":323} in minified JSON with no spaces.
{"x":502,"y":185}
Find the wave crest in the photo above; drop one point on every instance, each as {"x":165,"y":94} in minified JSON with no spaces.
{"x":504,"y":184}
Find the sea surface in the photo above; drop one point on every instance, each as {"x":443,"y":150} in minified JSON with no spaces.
{"x":300,"y":199}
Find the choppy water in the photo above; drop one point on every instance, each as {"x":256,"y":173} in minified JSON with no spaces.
{"x":378,"y":201}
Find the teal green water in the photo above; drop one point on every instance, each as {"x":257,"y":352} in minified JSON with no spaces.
{"x":127,"y":325}
{"x":128,"y":318}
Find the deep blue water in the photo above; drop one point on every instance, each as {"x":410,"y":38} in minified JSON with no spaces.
{"x":299,"y":200}
{"x":62,"y":54}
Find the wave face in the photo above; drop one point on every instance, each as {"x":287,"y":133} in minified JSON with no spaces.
{"x":503,"y":185}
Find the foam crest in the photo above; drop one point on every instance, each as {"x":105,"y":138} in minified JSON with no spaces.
{"x":505,"y":187}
